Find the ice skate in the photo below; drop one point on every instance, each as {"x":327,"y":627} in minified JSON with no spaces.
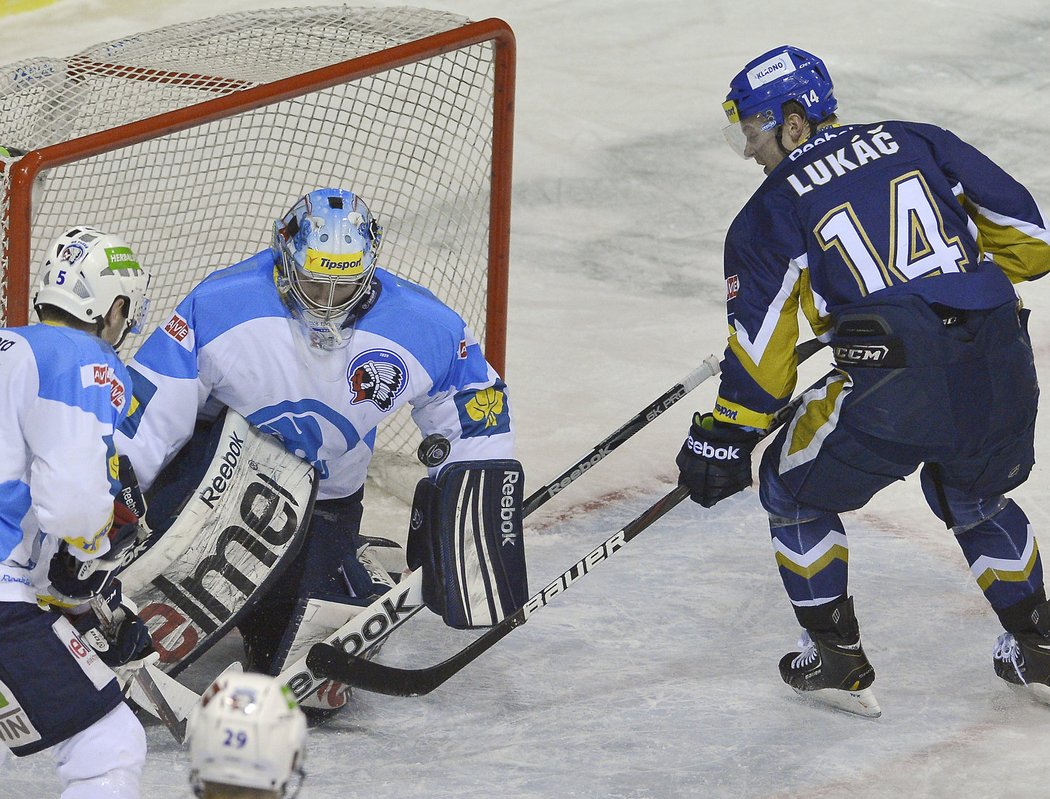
{"x":1024,"y":662}
{"x":832,"y":669}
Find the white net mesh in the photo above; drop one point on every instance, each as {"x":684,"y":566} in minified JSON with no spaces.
{"x":415,"y":141}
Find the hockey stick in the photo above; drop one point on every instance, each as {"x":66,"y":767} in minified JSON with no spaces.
{"x":146,"y":691}
{"x":708,"y":368}
{"x":327,"y":660}
{"x":169,"y":700}
{"x":150,"y":688}
{"x":375,"y":623}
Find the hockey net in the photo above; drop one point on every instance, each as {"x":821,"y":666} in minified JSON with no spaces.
{"x":188,"y":141}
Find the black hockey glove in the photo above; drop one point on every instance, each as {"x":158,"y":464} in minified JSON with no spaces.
{"x":75,"y":581}
{"x":114,"y":630}
{"x":715,"y":460}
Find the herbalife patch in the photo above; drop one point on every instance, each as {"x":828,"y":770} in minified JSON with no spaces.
{"x":121,"y":258}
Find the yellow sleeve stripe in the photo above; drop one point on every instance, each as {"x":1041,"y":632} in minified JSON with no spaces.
{"x":91,"y":546}
{"x":813,"y":306}
{"x":1021,"y":255}
{"x":731,"y":412}
{"x":770,"y":358}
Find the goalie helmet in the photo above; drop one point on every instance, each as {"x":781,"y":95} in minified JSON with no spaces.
{"x":85,"y":270}
{"x":327,"y":246}
{"x":247,"y":731}
{"x":784,"y":73}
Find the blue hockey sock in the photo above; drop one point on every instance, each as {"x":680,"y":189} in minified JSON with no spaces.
{"x":813,"y":559}
{"x":1003,"y":557}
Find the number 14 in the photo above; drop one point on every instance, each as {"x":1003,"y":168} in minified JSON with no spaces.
{"x":919,"y":245}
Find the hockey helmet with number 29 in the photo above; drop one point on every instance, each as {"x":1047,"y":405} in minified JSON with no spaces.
{"x":85,"y":270}
{"x":758,"y":93}
{"x":327,"y":245}
{"x":247,"y":731}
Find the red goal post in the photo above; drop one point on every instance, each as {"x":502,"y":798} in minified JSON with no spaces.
{"x":188,"y":141}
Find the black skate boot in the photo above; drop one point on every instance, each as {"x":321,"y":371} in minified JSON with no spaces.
{"x":1023,"y":658}
{"x":832,"y":668}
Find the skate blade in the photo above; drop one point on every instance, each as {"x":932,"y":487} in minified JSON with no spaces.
{"x":1037,"y":691}
{"x":859,"y":703}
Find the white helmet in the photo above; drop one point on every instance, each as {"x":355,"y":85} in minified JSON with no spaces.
{"x":327,"y":245}
{"x":248,"y":732}
{"x":85,"y":270}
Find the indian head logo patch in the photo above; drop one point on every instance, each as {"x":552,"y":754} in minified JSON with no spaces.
{"x":376,"y":376}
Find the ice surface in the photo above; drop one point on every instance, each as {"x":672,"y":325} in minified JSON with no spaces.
{"x":655,"y":676}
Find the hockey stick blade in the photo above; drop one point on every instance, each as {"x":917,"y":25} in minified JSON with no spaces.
{"x":325,"y":660}
{"x":147,"y":692}
{"x":329,"y":661}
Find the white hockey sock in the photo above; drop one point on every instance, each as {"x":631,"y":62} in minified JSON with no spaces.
{"x":104,"y":761}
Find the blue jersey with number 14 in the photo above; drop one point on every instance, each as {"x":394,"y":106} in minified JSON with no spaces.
{"x":893,"y":206}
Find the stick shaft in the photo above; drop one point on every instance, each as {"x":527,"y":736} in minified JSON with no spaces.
{"x":333,"y":662}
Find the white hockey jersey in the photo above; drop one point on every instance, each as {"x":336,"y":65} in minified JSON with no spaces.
{"x":62,"y":394}
{"x":232,"y":341}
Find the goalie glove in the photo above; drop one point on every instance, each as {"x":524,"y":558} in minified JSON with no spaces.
{"x":715,"y":460}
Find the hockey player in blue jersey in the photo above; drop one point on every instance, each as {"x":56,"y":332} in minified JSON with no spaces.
{"x":900,"y":243}
{"x":313,"y":343}
{"x":63,"y":523}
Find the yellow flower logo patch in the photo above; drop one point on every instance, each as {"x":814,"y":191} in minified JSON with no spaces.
{"x":484,"y":412}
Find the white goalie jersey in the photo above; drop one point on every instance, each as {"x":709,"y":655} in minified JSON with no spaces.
{"x":232,"y":341}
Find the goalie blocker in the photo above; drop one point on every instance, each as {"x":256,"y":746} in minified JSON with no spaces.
{"x":466,"y":535}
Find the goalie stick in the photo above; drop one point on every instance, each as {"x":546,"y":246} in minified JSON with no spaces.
{"x":375,"y":623}
{"x":327,"y":660}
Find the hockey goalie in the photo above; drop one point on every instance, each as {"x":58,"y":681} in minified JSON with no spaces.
{"x":252,"y":426}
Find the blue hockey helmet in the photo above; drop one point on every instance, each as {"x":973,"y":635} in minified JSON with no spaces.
{"x":784,"y":73}
{"x":327,"y":245}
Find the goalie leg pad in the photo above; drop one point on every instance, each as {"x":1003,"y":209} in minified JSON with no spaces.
{"x":318,"y":569}
{"x":317,"y":617}
{"x":466,"y":535}
{"x":242,"y":517}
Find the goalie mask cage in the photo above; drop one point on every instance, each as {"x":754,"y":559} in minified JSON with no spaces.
{"x":189,"y":141}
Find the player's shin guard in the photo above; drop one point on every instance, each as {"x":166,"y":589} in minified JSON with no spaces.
{"x":997,"y":540}
{"x":466,"y":535}
{"x":813,"y":559}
